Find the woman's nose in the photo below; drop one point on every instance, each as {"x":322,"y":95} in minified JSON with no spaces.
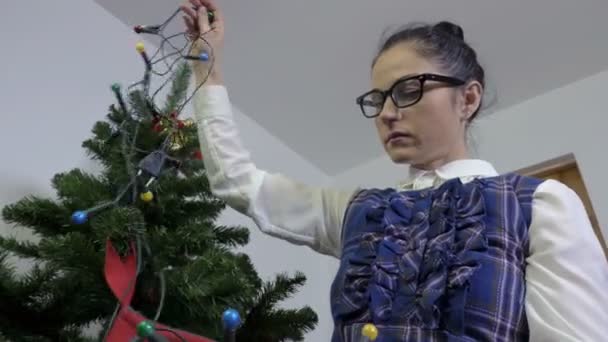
{"x":389,"y":112}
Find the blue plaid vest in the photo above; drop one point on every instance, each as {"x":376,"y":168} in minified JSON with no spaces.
{"x":444,"y":264}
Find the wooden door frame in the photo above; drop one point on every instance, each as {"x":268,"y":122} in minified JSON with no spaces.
{"x":550,"y":166}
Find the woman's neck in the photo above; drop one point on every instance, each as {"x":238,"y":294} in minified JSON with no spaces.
{"x":436,"y":163}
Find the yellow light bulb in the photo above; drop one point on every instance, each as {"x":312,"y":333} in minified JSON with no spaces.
{"x":370,"y":331}
{"x":140,"y":47}
{"x":146,"y":196}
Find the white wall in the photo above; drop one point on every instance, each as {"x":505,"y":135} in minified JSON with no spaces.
{"x":58,"y":66}
{"x":572,"y":119}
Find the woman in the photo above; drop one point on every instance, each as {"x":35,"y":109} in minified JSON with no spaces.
{"x":459,"y":252}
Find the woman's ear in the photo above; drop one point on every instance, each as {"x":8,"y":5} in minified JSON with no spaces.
{"x":471,"y":99}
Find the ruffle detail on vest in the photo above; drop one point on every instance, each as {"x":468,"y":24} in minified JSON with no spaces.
{"x":414,"y":265}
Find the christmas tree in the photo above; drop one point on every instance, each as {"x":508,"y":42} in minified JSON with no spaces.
{"x":151,"y":200}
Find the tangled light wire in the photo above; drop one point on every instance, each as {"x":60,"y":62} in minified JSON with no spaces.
{"x":177,"y":53}
{"x":156,"y":162}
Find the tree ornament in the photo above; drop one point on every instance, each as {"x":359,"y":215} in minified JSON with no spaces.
{"x":161,"y":124}
{"x":188,"y":123}
{"x":147,"y":196}
{"x":178,"y":140}
{"x":145,"y":329}
{"x":80,"y":217}
{"x":231,"y":319}
{"x":140,"y":47}
{"x":158,"y":127}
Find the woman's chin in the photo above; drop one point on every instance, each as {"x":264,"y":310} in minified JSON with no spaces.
{"x":402,"y":155}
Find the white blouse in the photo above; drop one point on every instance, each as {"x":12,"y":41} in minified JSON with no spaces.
{"x":566,"y":273}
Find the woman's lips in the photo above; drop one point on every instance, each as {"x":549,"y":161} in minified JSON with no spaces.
{"x":399,"y":137}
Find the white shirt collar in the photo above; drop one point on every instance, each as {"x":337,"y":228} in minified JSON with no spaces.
{"x":465,"y":169}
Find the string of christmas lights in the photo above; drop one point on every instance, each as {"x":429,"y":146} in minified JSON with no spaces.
{"x":155,"y":163}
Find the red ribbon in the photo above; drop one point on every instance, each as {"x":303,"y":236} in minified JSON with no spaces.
{"x":121,"y":273}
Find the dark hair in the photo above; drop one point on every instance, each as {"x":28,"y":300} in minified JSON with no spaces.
{"x":444,"y":44}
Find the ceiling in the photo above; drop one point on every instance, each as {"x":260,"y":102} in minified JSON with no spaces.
{"x":295,"y":67}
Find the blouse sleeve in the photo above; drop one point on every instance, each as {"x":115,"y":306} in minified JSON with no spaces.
{"x":279,"y":206}
{"x":567,"y":272}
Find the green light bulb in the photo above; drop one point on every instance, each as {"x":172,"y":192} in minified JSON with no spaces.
{"x":145,"y":329}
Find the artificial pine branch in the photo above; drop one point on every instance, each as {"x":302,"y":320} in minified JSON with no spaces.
{"x":31,"y":284}
{"x":265,"y":323}
{"x":118,"y":223}
{"x":7,"y":273}
{"x":283,"y":325}
{"x":78,"y":189}
{"x":102,"y":131}
{"x":74,"y":334}
{"x":97,"y":150}
{"x":231,"y":236}
{"x":179,"y":211}
{"x":139,"y":106}
{"x":24,"y":249}
{"x":78,"y":307}
{"x":100,"y":147}
{"x":195,"y":238}
{"x":73,"y":251}
{"x":195,"y":185}
{"x":179,"y":87}
{"x":281,"y":288}
{"x":196,"y":292}
{"x":44,"y":216}
{"x":115,"y":115}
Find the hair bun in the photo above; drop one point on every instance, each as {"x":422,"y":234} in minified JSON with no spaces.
{"x":450,"y":28}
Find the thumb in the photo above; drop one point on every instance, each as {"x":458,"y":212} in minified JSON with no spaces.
{"x":203,"y":20}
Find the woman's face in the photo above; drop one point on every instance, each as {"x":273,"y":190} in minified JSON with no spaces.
{"x":432,"y":131}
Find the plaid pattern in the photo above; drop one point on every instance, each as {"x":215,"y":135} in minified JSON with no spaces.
{"x":445,"y":264}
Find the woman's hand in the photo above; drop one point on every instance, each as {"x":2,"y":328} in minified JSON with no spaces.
{"x":198,"y":26}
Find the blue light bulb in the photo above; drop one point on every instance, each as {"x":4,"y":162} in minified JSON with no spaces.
{"x":231,"y":319}
{"x":79,"y":217}
{"x":203,"y":56}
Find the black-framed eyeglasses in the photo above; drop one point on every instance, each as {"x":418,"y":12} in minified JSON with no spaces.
{"x":404,"y":92}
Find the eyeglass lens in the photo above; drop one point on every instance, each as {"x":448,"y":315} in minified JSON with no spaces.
{"x":404,"y":93}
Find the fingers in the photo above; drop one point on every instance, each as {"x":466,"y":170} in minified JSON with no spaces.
{"x":211,"y":6}
{"x":196,"y":3}
{"x":190,"y":17}
{"x":190,"y":25}
{"x":196,"y":17}
{"x":188,"y":10}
